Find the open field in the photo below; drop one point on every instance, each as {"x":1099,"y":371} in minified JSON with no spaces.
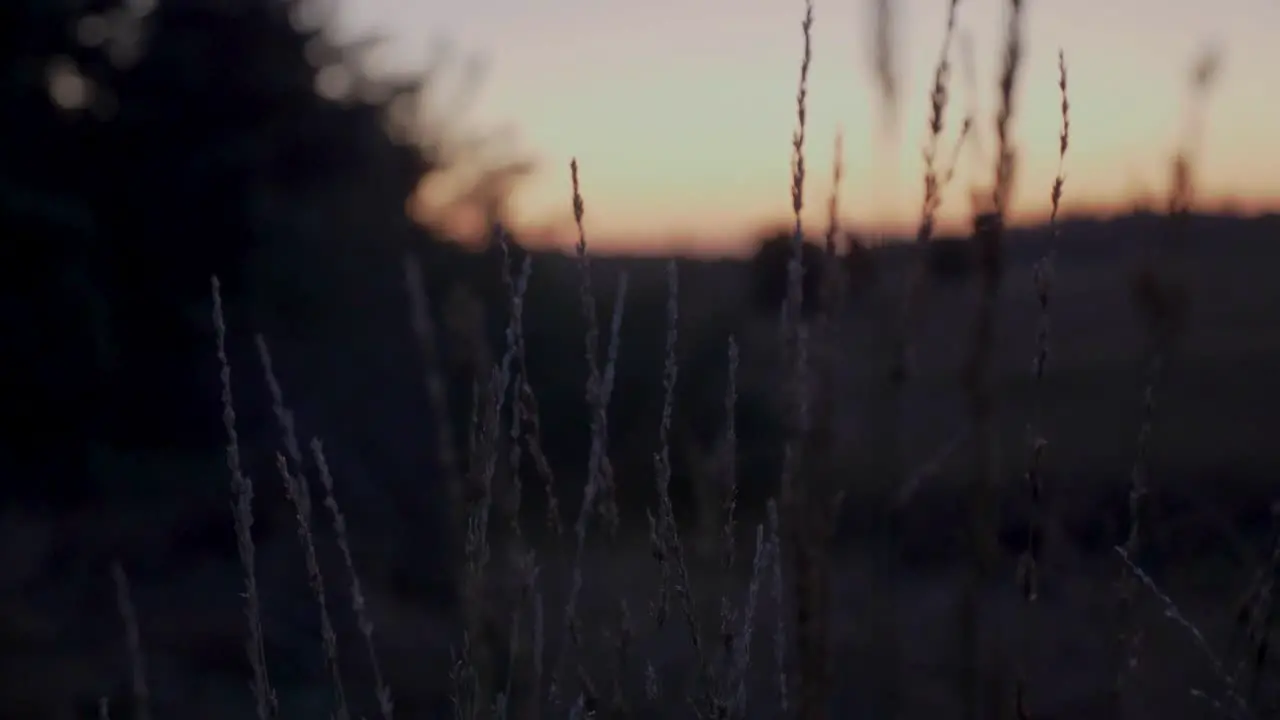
{"x":316,"y":457}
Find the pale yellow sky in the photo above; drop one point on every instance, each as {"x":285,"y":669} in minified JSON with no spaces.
{"x":681,"y":111}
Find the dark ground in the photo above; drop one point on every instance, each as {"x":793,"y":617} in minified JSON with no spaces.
{"x":1213,"y":475}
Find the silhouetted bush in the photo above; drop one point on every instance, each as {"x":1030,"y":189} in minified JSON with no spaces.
{"x":769,"y":274}
{"x":860,"y":265}
{"x":950,"y":260}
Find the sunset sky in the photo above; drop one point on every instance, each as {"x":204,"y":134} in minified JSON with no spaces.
{"x":681,"y":111}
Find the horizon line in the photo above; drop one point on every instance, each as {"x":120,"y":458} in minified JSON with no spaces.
{"x":744,"y":244}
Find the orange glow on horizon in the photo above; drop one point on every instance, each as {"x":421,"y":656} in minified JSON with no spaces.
{"x":681,"y":114}
{"x":740,"y":239}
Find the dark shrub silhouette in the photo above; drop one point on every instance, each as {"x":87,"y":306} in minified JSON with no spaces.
{"x":950,"y":260}
{"x":769,"y":274}
{"x":860,"y":265}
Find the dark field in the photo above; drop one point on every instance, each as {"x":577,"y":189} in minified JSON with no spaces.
{"x":898,"y":562}
{"x":258,"y":465}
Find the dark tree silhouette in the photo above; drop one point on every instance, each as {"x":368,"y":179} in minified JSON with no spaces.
{"x":146,"y":152}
